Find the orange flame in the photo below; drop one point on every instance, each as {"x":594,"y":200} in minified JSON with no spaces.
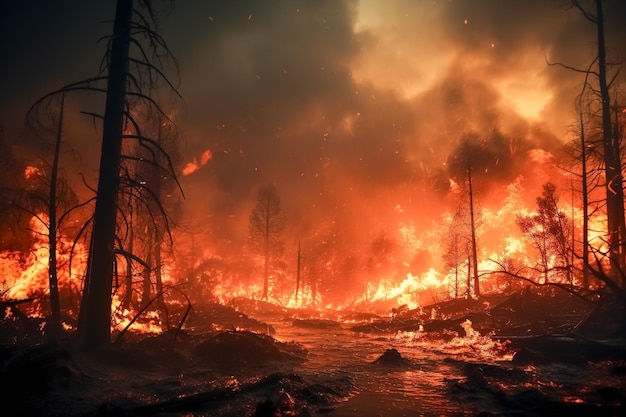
{"x":31,"y":171}
{"x":197,"y":163}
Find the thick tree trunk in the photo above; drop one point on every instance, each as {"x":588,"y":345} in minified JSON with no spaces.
{"x":96,"y":305}
{"x":612,"y":163}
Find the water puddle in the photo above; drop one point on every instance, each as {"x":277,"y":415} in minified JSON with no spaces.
{"x":419,"y":388}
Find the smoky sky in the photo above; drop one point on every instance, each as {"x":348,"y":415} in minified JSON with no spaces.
{"x":357,"y":111}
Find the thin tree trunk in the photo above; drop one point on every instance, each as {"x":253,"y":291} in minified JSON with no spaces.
{"x":473,"y":228}
{"x":96,"y":306}
{"x":267,"y":252}
{"x":585,"y":191}
{"x":158,"y":280}
{"x":128,"y":279}
{"x":53,"y":277}
{"x":299,"y":265}
{"x":468,"y":295}
{"x":147,"y":272}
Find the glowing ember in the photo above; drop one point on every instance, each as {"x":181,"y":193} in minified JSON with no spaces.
{"x":31,"y":172}
{"x":197,"y":163}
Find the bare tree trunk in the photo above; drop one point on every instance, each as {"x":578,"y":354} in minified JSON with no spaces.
{"x":266,"y":277}
{"x":158,"y":280}
{"x":612,"y":163}
{"x":298,"y":266}
{"x":585,"y":192}
{"x":95,"y":325}
{"x":147,"y":272}
{"x":468,"y":295}
{"x":473,"y":228}
{"x":128,"y":279}
{"x":53,"y":277}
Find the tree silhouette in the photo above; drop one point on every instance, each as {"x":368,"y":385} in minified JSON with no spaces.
{"x":549,"y":230}
{"x":131,"y":72}
{"x":267,"y":222}
{"x":611,"y":138}
{"x":456,"y":249}
{"x":462,"y":163}
{"x":48,"y":198}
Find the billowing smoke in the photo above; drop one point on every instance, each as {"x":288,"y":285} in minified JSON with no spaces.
{"x":364,"y":114}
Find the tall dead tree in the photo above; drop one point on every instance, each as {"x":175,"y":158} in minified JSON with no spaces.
{"x":585,"y":204}
{"x":48,"y":192}
{"x":131,"y":72}
{"x":95,"y":313}
{"x":473,"y":245}
{"x":53,"y":278}
{"x":298,"y":268}
{"x":267,"y":222}
{"x":616,"y":229}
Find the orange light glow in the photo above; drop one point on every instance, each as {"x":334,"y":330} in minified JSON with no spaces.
{"x":197,"y":163}
{"x":31,"y":171}
{"x":26,"y":275}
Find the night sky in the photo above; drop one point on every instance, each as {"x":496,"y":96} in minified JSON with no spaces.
{"x":354,"y":110}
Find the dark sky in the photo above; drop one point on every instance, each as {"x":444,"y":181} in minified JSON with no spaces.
{"x":354,"y":109}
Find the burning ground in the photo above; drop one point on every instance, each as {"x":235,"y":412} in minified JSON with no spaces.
{"x":523,"y":355}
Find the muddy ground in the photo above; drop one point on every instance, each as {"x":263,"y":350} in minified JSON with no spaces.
{"x":570,"y":358}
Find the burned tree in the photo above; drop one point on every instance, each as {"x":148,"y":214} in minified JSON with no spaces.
{"x":150,"y":193}
{"x":48,"y":197}
{"x":267,"y":222}
{"x":549,"y":230}
{"x":131,"y":73}
{"x":600,"y":70}
{"x":463,"y":165}
{"x":472,"y":219}
{"x":456,"y":251}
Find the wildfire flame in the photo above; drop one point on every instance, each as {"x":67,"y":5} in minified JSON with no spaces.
{"x":25,"y":275}
{"x":197,"y":162}
{"x":31,"y":172}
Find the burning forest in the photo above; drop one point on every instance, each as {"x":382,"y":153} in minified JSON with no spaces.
{"x":290,"y":208}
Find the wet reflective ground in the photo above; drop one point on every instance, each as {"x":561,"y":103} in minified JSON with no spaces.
{"x":449,"y":374}
{"x":419,"y":388}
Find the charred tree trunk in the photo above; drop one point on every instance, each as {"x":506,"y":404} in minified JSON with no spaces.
{"x":53,"y":278}
{"x":265,"y":226}
{"x":473,"y":229}
{"x":147,"y":272}
{"x":298,"y":266}
{"x":158,"y":280}
{"x":612,"y":163}
{"x":128,"y":279}
{"x":585,"y":195}
{"x":95,"y":326}
{"x":468,"y":295}
{"x":266,"y":274}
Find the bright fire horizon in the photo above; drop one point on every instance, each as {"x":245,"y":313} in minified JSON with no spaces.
{"x":356,"y":111}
